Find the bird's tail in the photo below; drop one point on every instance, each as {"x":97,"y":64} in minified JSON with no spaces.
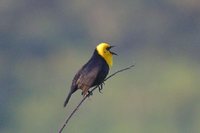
{"x":67,"y":100}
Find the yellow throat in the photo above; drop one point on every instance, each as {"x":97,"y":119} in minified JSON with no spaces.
{"x":103,"y":52}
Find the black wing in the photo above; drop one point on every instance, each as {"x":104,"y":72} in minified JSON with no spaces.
{"x":83,"y":80}
{"x":87,"y":77}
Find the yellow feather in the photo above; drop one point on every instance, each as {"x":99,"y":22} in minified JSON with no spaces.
{"x":103,"y":52}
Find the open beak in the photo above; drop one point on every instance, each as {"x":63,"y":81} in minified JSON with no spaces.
{"x":113,"y":53}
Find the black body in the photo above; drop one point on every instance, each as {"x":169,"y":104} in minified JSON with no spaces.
{"x":91,"y":74}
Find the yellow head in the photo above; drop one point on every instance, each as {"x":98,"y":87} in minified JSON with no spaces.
{"x":103,"y":50}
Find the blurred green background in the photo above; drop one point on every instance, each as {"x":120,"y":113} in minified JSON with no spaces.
{"x":44,"y":42}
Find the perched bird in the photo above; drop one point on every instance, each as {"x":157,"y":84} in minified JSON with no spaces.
{"x":94,"y":71}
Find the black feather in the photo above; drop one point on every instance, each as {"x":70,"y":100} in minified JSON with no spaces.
{"x":91,"y":74}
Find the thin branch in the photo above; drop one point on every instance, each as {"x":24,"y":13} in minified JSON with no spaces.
{"x":74,"y":111}
{"x":119,"y":72}
{"x":84,"y":98}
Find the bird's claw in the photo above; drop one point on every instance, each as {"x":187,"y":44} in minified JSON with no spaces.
{"x":90,"y":93}
{"x":101,"y":87}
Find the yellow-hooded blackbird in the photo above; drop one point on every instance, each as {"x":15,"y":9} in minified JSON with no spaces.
{"x":94,"y":71}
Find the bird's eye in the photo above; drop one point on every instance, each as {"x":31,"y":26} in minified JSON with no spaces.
{"x":108,"y":48}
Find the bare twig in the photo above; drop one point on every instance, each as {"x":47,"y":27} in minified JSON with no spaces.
{"x":84,"y":98}
{"x":119,"y":72}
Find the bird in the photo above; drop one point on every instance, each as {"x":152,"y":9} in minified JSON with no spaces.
{"x":94,"y":71}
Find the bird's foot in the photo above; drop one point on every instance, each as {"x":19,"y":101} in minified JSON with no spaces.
{"x":90,"y":93}
{"x":101,"y":87}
